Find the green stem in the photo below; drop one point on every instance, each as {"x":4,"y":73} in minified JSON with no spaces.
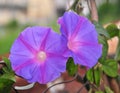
{"x":117,"y":55}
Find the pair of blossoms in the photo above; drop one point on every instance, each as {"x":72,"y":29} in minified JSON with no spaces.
{"x":39,"y":54}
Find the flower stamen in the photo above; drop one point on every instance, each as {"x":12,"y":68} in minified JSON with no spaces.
{"x":41,"y":56}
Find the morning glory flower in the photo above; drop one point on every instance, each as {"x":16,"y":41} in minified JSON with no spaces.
{"x":36,"y":55}
{"x":81,"y":39}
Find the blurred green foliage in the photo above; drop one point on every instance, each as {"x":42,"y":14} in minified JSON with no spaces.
{"x":7,"y":78}
{"x":109,"y":12}
{"x":11,"y":31}
{"x":54,"y":26}
{"x":12,"y":24}
{"x":6,"y":41}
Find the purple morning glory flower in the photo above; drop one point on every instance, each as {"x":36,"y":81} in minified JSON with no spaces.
{"x":81,"y":39}
{"x":36,"y":55}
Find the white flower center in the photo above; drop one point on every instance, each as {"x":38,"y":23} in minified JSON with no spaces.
{"x":41,"y":56}
{"x":70,"y":45}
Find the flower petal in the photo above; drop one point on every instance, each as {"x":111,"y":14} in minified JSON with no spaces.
{"x":88,"y":55}
{"x":55,"y":44}
{"x":68,"y":23}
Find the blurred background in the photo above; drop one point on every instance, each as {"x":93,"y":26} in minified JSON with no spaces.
{"x":15,"y":15}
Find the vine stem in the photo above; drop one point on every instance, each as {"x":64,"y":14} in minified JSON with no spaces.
{"x":15,"y":90}
{"x":93,"y":10}
{"x":82,"y":87}
{"x":68,"y":81}
{"x":88,"y":3}
{"x":94,"y":86}
{"x":2,"y":62}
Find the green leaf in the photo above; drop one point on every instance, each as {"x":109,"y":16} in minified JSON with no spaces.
{"x":5,"y":85}
{"x":71,"y":67}
{"x":93,"y":75}
{"x":101,"y":30}
{"x":103,"y":41}
{"x":8,"y":73}
{"x":112,"y":30}
{"x":6,"y":80}
{"x":8,"y":64}
{"x":9,"y":76}
{"x":89,"y":75}
{"x":117,"y":55}
{"x":99,"y":92}
{"x":108,"y":90}
{"x":110,"y":67}
{"x":97,"y":75}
